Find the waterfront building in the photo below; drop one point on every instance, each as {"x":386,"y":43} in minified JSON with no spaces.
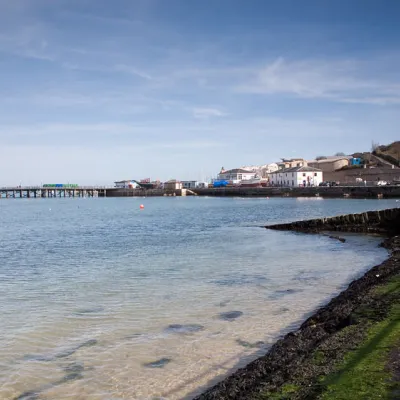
{"x":330,"y":164}
{"x":297,"y":177}
{"x":356,"y":161}
{"x":190,"y":184}
{"x":236,"y":175}
{"x":173,"y":184}
{"x":127,"y":184}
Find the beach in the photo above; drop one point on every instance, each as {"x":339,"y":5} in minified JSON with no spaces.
{"x":104,"y":300}
{"x":347,"y":349}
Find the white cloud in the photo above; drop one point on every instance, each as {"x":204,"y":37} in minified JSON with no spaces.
{"x":207,"y":113}
{"x":132,"y":71}
{"x":337,"y":80}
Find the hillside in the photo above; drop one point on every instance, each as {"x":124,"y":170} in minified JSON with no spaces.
{"x":390,"y":153}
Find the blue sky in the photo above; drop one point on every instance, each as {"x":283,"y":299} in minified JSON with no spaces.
{"x":93,"y":91}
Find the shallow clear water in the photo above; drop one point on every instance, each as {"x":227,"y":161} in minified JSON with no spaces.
{"x":102,"y":300}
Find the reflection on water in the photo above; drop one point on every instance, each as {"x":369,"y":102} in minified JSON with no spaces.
{"x":102,"y":300}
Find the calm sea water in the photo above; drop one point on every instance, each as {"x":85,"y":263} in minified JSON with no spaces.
{"x":102,"y":300}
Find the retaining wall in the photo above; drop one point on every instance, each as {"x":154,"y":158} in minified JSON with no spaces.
{"x":322,"y":191}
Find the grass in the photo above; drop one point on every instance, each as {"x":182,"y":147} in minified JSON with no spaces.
{"x":393,"y":286}
{"x":353,"y":363}
{"x":285,"y":393}
{"x":319,"y":357}
{"x":363,"y":374}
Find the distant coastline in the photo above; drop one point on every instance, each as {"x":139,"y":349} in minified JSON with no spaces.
{"x":371,"y":192}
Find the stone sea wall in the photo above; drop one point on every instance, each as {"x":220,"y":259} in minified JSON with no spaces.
{"x":383,"y":221}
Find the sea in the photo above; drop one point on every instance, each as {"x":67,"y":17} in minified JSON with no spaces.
{"x":101,"y":299}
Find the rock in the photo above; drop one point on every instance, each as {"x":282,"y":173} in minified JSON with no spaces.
{"x":230,"y":315}
{"x":75,"y":367}
{"x":240,"y":280}
{"x":88,"y":343}
{"x":70,"y":377}
{"x":183,"y":329}
{"x":162,"y":362}
{"x":28,"y":396}
{"x":134,"y":335}
{"x":67,"y":353}
{"x":37,"y":357}
{"x":280,"y":293}
{"x":384,"y":221}
{"x":250,"y":345}
{"x":62,"y":354}
{"x":93,"y":310}
{"x":281,"y":311}
{"x":341,"y":239}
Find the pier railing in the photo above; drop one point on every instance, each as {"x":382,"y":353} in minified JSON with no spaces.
{"x":55,"y":188}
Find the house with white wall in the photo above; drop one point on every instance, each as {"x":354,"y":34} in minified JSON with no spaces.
{"x":270,"y":168}
{"x":173,"y":184}
{"x":236,"y":175}
{"x":189,"y":184}
{"x":296,"y":177}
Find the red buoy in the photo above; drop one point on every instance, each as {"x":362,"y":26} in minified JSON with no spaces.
{"x":141,"y":206}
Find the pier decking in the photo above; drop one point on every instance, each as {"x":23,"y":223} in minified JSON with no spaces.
{"x":50,"y":192}
{"x":28,"y":192}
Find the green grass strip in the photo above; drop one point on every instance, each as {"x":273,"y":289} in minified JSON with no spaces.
{"x":364,"y":374}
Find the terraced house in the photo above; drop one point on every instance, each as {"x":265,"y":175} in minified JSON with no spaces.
{"x":296,"y":177}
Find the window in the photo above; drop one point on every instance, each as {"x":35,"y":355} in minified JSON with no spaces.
{"x":315,"y":174}
{"x":292,"y":174}
{"x":292,"y":183}
{"x":286,"y":174}
{"x":304,"y":174}
{"x":240,"y":176}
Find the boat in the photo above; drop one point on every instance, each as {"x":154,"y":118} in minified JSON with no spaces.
{"x":255,"y":182}
{"x":146,"y":184}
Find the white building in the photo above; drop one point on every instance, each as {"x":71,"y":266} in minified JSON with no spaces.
{"x":190,"y":184}
{"x":173,"y":184}
{"x":297,"y":177}
{"x":127,"y":184}
{"x":270,"y":168}
{"x":236,"y":175}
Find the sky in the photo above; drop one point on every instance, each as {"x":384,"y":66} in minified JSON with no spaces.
{"x":94,"y":91}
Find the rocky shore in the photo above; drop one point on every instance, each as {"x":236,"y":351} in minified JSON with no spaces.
{"x":386,"y":222}
{"x":304,"y":363}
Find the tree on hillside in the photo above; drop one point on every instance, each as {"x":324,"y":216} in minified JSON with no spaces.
{"x":340,"y":154}
{"x":374,"y":146}
{"x":321,"y":158}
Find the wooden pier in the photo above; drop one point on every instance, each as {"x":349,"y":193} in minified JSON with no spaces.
{"x":51,"y":192}
{"x":32,"y":192}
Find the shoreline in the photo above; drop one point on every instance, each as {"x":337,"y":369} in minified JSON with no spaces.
{"x":350,"y":192}
{"x":289,"y":369}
